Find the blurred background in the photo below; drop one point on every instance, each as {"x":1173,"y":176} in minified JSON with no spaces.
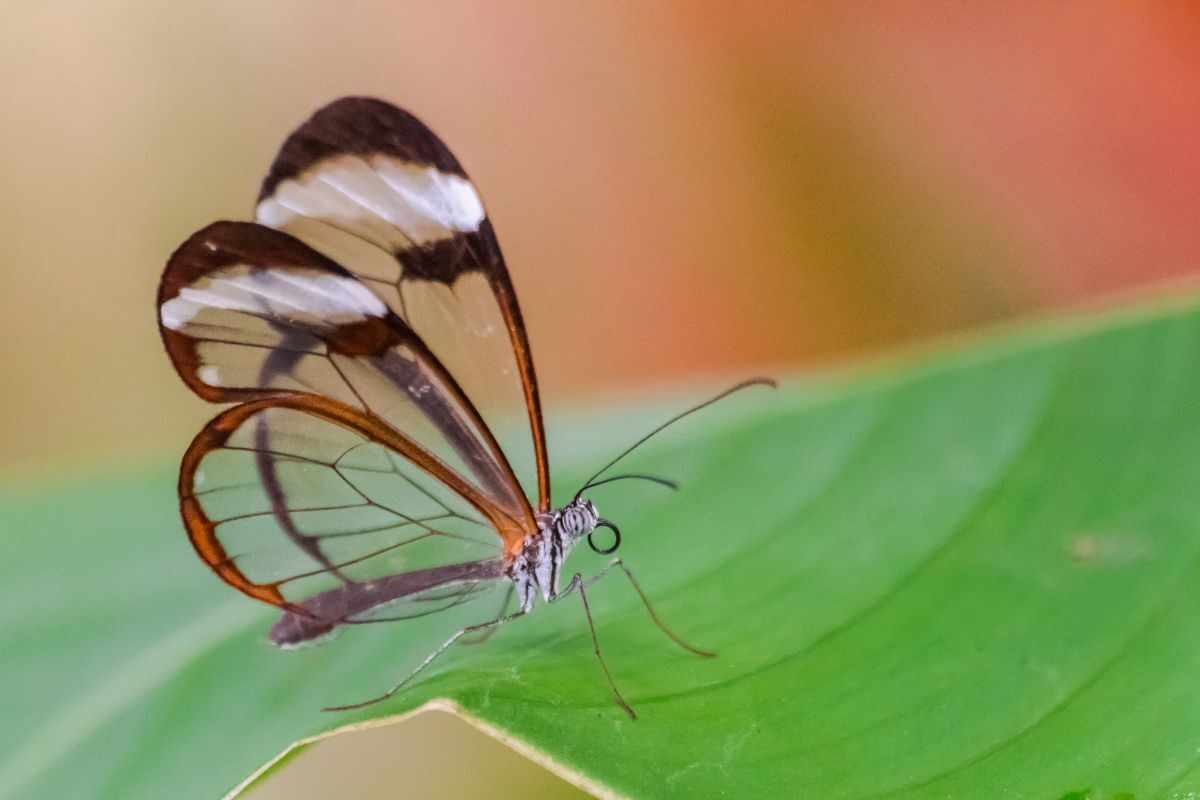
{"x":728,"y":187}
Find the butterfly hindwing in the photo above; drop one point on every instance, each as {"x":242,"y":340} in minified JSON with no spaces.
{"x":290,"y":496}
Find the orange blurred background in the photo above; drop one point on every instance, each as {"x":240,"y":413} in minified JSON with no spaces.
{"x":719,"y":187}
{"x":723,"y":188}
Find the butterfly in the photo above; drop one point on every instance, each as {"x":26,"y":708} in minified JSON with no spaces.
{"x":366,"y":328}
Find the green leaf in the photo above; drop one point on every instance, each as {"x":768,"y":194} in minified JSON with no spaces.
{"x":972,"y":575}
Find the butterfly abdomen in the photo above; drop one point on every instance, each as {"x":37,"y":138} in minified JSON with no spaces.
{"x":320,"y":614}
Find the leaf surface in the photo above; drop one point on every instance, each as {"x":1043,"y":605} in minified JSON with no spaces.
{"x":966,"y":575}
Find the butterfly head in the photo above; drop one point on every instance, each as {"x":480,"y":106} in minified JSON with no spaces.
{"x":537,"y":565}
{"x":580,"y":518}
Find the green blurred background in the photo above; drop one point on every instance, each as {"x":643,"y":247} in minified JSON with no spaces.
{"x":728,"y":188}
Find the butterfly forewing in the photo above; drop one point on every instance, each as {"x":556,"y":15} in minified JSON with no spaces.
{"x":370,"y":186}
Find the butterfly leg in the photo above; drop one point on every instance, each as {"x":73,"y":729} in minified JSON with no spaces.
{"x":483,"y":626}
{"x":616,"y":562}
{"x":577,"y":584}
{"x":487,"y":634}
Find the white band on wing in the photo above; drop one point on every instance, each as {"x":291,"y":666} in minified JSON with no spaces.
{"x":419,"y":203}
{"x":282,"y":292}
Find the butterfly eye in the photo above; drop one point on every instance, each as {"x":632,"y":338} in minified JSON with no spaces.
{"x":603,"y":523}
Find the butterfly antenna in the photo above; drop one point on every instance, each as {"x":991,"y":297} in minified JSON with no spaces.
{"x":661,"y":481}
{"x":731,"y":390}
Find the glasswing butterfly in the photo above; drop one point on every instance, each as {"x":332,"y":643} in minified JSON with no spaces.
{"x":367,"y":329}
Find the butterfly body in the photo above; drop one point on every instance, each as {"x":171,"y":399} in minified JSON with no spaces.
{"x":538,"y":566}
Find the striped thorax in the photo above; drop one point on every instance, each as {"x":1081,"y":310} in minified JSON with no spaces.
{"x":539,"y":564}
